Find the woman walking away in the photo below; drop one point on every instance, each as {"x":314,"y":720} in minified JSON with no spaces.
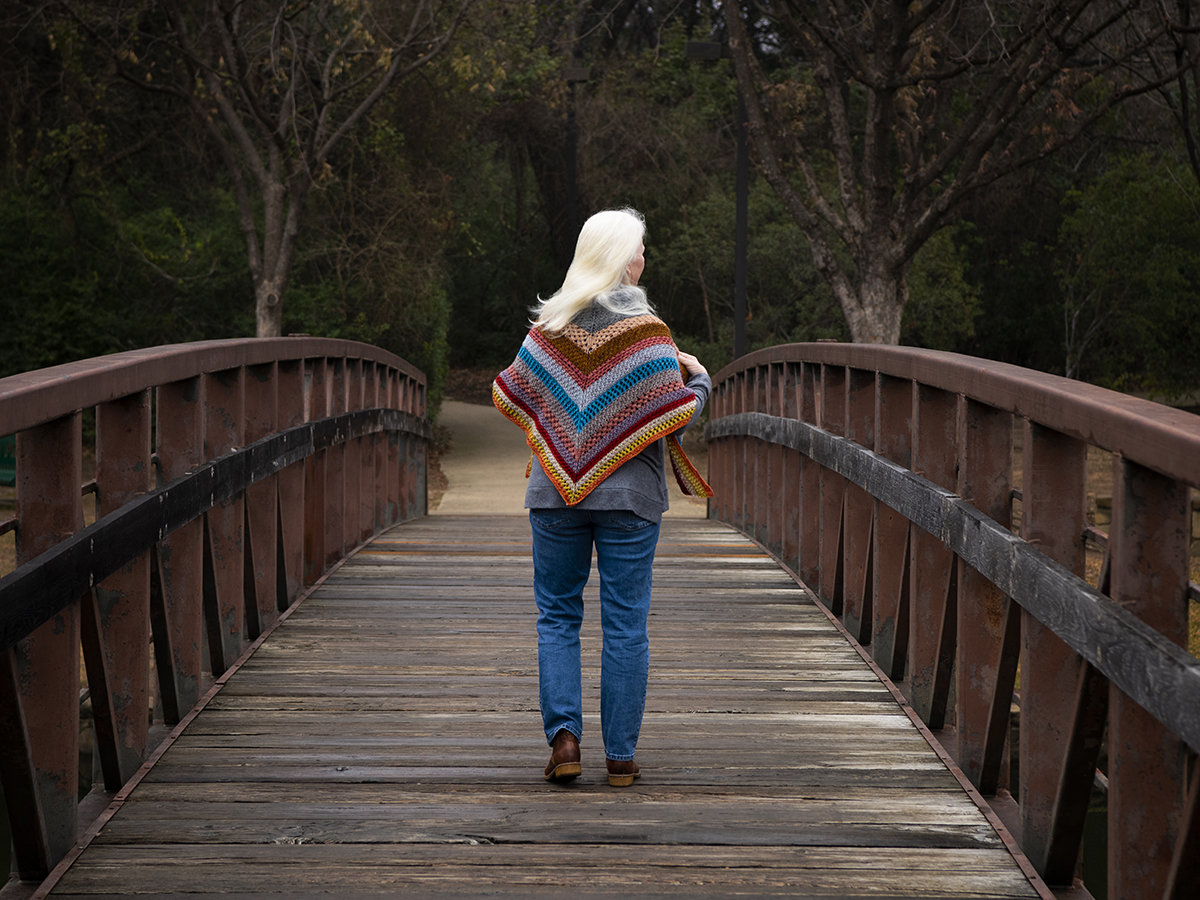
{"x":597,"y":386}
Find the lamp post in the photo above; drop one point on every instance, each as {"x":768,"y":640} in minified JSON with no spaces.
{"x":573,"y":75}
{"x":713,"y":50}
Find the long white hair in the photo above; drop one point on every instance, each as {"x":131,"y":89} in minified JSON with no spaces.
{"x":608,"y":243}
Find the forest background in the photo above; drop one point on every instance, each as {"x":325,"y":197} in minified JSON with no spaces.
{"x":443,"y":212}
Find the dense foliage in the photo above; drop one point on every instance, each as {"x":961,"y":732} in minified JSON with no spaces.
{"x":433,"y":225}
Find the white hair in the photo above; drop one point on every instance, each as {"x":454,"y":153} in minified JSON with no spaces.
{"x":608,"y":243}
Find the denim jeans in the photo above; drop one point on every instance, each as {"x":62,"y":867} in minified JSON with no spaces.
{"x":562,"y":561}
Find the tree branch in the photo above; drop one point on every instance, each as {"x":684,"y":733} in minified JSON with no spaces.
{"x":395,"y":72}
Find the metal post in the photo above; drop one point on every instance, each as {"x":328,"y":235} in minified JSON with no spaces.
{"x":573,"y":75}
{"x":713,"y":50}
{"x":741,"y":229}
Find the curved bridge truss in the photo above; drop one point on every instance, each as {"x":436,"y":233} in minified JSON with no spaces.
{"x":230,"y":476}
{"x":885,"y":478}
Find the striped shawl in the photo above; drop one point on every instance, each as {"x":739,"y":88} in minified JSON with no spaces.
{"x":589,"y":403}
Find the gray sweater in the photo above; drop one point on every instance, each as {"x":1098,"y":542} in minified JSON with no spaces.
{"x":640,"y":485}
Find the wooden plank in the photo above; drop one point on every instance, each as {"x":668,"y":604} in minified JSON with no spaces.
{"x":807,"y":872}
{"x":386,"y":739}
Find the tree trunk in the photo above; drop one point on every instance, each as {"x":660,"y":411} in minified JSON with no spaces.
{"x":874,"y":126}
{"x":282,"y":209}
{"x":874,"y":306}
{"x":268,"y":310}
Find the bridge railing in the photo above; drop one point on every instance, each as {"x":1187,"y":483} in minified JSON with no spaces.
{"x":230,"y":475}
{"x":884,"y":477}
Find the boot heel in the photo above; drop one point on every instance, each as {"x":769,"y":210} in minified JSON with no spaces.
{"x":565,"y":772}
{"x":622,"y":772}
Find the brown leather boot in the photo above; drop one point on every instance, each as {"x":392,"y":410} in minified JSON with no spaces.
{"x":621,"y":772}
{"x":564,"y":757}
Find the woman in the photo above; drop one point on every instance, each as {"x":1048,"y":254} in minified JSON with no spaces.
{"x":596,"y":387}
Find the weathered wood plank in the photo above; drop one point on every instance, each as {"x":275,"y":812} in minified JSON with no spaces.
{"x":463,"y":868}
{"x":386,"y":739}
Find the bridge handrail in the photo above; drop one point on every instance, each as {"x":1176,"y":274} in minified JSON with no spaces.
{"x":273,"y":459}
{"x":828,"y":454}
{"x":32,"y":398}
{"x":1156,"y":436}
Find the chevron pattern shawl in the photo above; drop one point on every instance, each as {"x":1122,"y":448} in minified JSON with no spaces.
{"x":590,"y":402}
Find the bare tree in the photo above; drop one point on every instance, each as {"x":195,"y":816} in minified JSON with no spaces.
{"x":1183,"y":97}
{"x":277,"y":84}
{"x":874,"y":120}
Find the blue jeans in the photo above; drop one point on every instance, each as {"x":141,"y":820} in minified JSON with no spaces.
{"x":562,"y":561}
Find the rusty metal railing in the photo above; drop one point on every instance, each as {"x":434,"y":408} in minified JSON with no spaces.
{"x":884,"y":478}
{"x":229,"y":476}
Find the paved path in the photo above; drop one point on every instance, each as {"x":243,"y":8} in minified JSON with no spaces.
{"x":486,"y":464}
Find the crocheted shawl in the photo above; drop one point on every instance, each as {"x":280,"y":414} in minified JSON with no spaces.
{"x":589,"y":403}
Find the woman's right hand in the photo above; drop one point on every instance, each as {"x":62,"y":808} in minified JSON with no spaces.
{"x":690,"y":364}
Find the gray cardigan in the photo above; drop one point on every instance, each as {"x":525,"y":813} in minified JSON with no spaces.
{"x":640,"y":485}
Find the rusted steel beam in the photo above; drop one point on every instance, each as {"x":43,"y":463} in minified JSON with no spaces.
{"x":756,"y":466}
{"x":730,"y":498}
{"x":49,"y":464}
{"x":933,"y":615}
{"x":858,"y":526}
{"x":161,"y":629}
{"x":335,"y":469}
{"x":259,"y":551}
{"x":315,"y":468}
{"x":33,"y":398}
{"x":352,"y":460}
{"x":1158,"y":437}
{"x":810,"y":481}
{"x":750,"y":459}
{"x":738,"y":501}
{"x":420,"y":472}
{"x":716,"y":457}
{"x":791,"y":493}
{"x":370,"y":510}
{"x":995,"y":754}
{"x":1155,"y":672}
{"x":393,"y":450}
{"x":46,"y":586}
{"x":406,"y":458}
{"x":18,"y":775}
{"x":775,"y":510}
{"x":1054,"y":493}
{"x":1150,"y":535}
{"x":988,"y":636}
{"x":116,"y":614}
{"x":1077,"y":774}
{"x":179,"y":570}
{"x":1185,"y":862}
{"x":892,"y":571}
{"x":224,"y":566}
{"x":833,"y":491}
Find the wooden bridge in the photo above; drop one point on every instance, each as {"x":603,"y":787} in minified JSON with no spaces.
{"x":346,"y":689}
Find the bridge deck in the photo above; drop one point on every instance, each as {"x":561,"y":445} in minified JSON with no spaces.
{"x":386,"y":739}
